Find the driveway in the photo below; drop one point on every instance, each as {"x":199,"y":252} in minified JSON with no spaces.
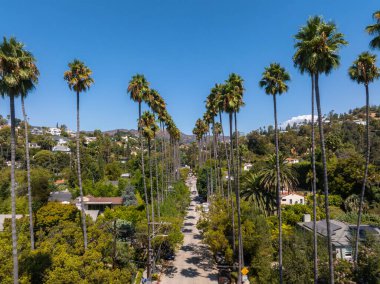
{"x":193,"y":262}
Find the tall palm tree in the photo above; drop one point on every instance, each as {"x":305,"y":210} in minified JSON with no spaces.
{"x":375,"y":30}
{"x":138,"y":88}
{"x":274,"y":81}
{"x":27,"y":86}
{"x":79,"y":79}
{"x":148,"y":126}
{"x":235,"y":85}
{"x":17,"y":73}
{"x":303,"y":61}
{"x":158,"y":106}
{"x":232,"y":100}
{"x":322,"y":53}
{"x":364,"y":71}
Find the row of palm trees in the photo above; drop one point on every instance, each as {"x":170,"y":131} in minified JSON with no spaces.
{"x":18,"y":77}
{"x":317,"y":52}
{"x":140,"y":92}
{"x":224,"y":98}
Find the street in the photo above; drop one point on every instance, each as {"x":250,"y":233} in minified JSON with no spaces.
{"x":193,"y":262}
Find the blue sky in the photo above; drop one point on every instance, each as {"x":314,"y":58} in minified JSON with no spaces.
{"x":183,"y":47}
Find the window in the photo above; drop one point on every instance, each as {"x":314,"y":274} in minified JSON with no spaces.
{"x":284,"y":199}
{"x":301,"y":201}
{"x":290,"y":201}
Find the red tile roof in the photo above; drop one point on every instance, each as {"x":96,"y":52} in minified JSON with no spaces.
{"x":110,"y":200}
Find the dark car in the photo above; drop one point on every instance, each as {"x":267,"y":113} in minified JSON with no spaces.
{"x":224,"y":276}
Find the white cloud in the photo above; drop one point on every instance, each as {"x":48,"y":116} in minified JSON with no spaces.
{"x":299,"y":120}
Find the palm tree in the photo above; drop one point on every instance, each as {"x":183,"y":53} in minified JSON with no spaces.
{"x":375,"y":30}
{"x":148,"y":126}
{"x":25,"y":87}
{"x":274,"y":81}
{"x":268,"y":174}
{"x":235,"y":86}
{"x":138,"y":88}
{"x":158,"y":106}
{"x":321,"y":52}
{"x":79,"y":79}
{"x":17,"y":73}
{"x":264,"y":200}
{"x":364,"y":71}
{"x":304,"y":62}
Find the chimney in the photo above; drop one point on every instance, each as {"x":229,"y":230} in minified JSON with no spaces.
{"x":306,"y":218}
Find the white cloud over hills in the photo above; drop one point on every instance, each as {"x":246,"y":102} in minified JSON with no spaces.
{"x":298,"y":120}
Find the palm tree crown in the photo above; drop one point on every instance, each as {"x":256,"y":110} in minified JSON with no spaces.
{"x":274,"y":79}
{"x":78,"y":77}
{"x":375,"y":30}
{"x":364,"y":70}
{"x":138,"y":87}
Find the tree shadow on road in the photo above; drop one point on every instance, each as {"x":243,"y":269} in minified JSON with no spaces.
{"x":190,"y":272}
{"x":188,"y":224}
{"x":187,"y":248}
{"x":170,"y":271}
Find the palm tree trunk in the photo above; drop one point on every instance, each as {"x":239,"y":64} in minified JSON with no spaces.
{"x":31,"y":227}
{"x":232,"y":202}
{"x":325,"y":180}
{"x":84,"y":228}
{"x":237,"y":195}
{"x":314,"y":184}
{"x":151,"y":185}
{"x":278,"y":191}
{"x":227,"y":158}
{"x":156,"y":170}
{"x":162,"y":163}
{"x":215,"y":148}
{"x":364,"y":178}
{"x":149,"y":261}
{"x":13,"y":190}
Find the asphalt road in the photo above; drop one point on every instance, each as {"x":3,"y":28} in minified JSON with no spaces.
{"x":193,"y":263}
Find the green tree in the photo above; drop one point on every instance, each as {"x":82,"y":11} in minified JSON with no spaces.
{"x":79,"y":80}
{"x":319,"y":49}
{"x":274,"y":81}
{"x":364,"y":71}
{"x":138,"y":87}
{"x":375,"y":31}
{"x":18,"y":73}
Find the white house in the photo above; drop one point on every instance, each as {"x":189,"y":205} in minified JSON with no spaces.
{"x":88,"y":140}
{"x":291,"y":199}
{"x":61,"y":148}
{"x":54,"y":131}
{"x":292,"y":161}
{"x":36,"y":131}
{"x":34,"y":145}
{"x":247,"y":167}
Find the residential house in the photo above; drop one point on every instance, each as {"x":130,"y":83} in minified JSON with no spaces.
{"x":126,"y":175}
{"x":291,"y":161}
{"x":60,"y":140}
{"x":342,"y":234}
{"x":54,"y":131}
{"x":291,"y":199}
{"x":88,"y":140}
{"x":99,"y":203}
{"x":36,"y":131}
{"x":247,"y":167}
{"x":360,"y":121}
{"x":63,"y":196}
{"x":61,"y":148}
{"x":7,"y":216}
{"x":33,"y":145}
